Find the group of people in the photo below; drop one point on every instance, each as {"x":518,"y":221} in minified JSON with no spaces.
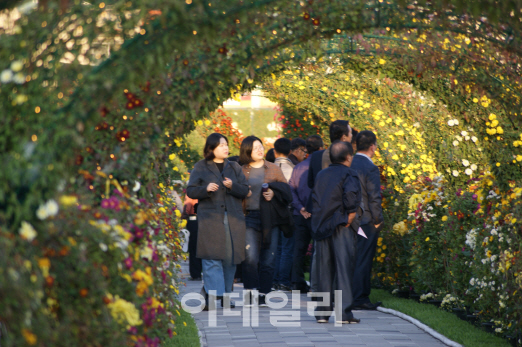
{"x":262,"y":210}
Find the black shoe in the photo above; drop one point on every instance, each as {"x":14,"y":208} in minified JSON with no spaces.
{"x":285,"y":288}
{"x":205,"y":295}
{"x":368,"y":306}
{"x":262,"y":300}
{"x":194,"y":278}
{"x":232,"y":303}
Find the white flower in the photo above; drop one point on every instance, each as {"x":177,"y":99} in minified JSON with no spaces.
{"x":469,"y":172}
{"x":473,"y":167}
{"x":103,"y":247}
{"x":455,"y":173}
{"x":27,"y":231}
{"x":467,"y":138}
{"x":146,"y":252}
{"x":458,"y":138}
{"x":19,"y":78}
{"x":49,"y":209}
{"x":136,"y":187}
{"x":474,"y":139}
{"x":17,"y":65}
{"x":6,"y":76}
{"x":455,"y":143}
{"x":465,"y":162}
{"x":52,"y":208}
{"x":456,"y":121}
{"x":451,"y":123}
{"x":464,"y":133}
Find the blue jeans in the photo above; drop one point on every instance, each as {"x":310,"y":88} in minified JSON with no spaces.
{"x":259,"y":264}
{"x":218,"y":274}
{"x":284,"y":260}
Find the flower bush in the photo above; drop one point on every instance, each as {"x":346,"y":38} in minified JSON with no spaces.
{"x":114,"y":259}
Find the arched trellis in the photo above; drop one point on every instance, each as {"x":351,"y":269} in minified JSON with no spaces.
{"x":210,"y":43}
{"x":102,"y":90}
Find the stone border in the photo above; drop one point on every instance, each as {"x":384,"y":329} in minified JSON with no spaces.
{"x":421,"y":326}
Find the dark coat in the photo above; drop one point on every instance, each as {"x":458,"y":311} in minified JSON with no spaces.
{"x":336,"y":194}
{"x":276,"y":212}
{"x":370,"y":179}
{"x":212,"y":207}
{"x":316,"y":162}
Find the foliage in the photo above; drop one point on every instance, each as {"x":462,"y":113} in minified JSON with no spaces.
{"x":101,"y":93}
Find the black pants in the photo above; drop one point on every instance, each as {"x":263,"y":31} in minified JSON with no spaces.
{"x":336,"y":256}
{"x":303,"y":236}
{"x":195,"y":266}
{"x":363,"y":270}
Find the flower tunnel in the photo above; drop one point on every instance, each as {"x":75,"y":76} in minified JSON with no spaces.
{"x":98,"y":97}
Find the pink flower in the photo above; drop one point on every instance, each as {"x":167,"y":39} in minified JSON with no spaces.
{"x":128,"y":262}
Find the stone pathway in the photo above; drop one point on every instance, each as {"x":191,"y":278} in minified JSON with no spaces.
{"x":376,"y":329}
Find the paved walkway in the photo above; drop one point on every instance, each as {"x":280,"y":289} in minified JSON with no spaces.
{"x":376,"y":329}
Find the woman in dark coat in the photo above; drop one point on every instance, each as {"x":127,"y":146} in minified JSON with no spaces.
{"x":266,"y":212}
{"x":220,"y":186}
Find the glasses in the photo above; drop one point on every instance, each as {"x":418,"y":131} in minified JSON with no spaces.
{"x":259,"y":148}
{"x":303,"y":150}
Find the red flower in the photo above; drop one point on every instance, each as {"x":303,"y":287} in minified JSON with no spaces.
{"x":316,"y":22}
{"x":306,"y":16}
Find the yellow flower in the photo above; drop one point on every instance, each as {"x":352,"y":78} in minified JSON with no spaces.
{"x":29,"y":337}
{"x":68,"y":200}
{"x":444,"y":218}
{"x":382,"y":61}
{"x":427,"y":239}
{"x":124,"y":312}
{"x":178,"y":213}
{"x":45,"y":265}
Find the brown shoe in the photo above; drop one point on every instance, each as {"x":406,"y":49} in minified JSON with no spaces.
{"x":349,"y":321}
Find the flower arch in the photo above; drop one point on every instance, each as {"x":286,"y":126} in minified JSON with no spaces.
{"x":98,"y":96}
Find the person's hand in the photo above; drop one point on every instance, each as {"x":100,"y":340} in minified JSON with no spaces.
{"x":378,"y":226}
{"x":269,"y":194}
{"x":228,"y":183}
{"x":351,"y":217}
{"x":212,"y":187}
{"x":305,"y":214}
{"x":249,"y":192}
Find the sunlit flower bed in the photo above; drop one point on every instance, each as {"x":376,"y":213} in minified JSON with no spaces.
{"x":93,"y":269}
{"x":461,"y":247}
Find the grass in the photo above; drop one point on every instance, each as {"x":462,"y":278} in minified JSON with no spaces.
{"x":186,"y":336}
{"x":443,"y":322}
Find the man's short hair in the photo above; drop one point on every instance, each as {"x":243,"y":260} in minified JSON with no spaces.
{"x":338,"y":128}
{"x":282,"y":146}
{"x":365,"y":139}
{"x":297,"y":142}
{"x":339,"y":151}
{"x":313,"y":143}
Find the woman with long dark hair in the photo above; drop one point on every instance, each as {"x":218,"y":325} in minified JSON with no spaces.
{"x":266,"y":211}
{"x":220,"y":186}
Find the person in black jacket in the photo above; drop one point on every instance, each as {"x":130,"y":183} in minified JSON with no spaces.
{"x":372,"y":218}
{"x":340,"y":130}
{"x":335,"y":220}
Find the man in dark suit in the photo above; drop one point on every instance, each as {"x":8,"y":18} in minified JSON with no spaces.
{"x":372,"y":218}
{"x":335,"y":220}
{"x":340,"y":130}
